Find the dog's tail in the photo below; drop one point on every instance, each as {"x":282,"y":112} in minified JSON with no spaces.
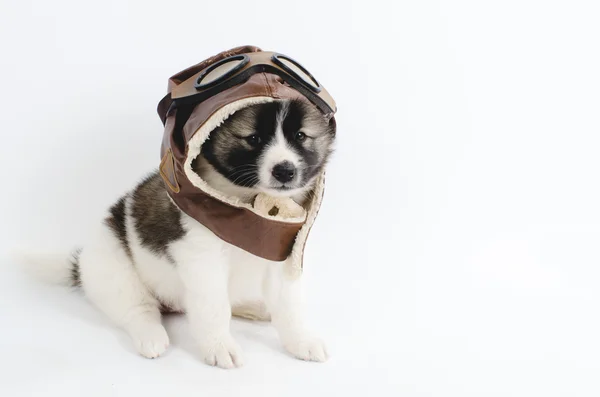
{"x":61,"y":269}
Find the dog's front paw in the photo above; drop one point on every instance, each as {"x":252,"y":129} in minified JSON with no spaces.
{"x":307,"y":348}
{"x":151,"y":341}
{"x":221,"y":352}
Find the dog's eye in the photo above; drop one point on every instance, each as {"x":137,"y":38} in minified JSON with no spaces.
{"x":254,"y":140}
{"x":300,"y":136}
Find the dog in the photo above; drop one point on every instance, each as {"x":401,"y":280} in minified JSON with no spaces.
{"x":148,"y":257}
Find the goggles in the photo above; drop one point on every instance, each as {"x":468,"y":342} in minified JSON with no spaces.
{"x":235,"y":70}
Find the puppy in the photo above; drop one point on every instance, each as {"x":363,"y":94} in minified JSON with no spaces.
{"x":149,"y":257}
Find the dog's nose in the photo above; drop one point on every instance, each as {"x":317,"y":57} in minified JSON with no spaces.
{"x":284,"y":172}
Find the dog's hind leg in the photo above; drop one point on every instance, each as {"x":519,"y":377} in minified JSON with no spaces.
{"x":110,"y":280}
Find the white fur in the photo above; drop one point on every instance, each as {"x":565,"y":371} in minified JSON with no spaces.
{"x":202,"y":275}
{"x":209,"y":279}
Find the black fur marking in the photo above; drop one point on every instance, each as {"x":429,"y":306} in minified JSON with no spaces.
{"x":116,"y":222}
{"x":231,"y":154}
{"x":157,"y":220}
{"x":293,"y":121}
{"x":75,"y":273}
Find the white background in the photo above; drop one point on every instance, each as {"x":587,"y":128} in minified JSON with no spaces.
{"x":458,"y":249}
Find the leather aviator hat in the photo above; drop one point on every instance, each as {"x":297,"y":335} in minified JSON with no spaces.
{"x":199,"y":99}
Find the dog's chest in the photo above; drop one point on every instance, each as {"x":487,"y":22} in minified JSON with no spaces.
{"x":248,"y":275}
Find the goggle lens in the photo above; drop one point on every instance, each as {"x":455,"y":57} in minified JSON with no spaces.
{"x":220,"y":71}
{"x":297,"y":71}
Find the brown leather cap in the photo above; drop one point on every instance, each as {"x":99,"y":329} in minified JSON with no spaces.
{"x":188,"y":126}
